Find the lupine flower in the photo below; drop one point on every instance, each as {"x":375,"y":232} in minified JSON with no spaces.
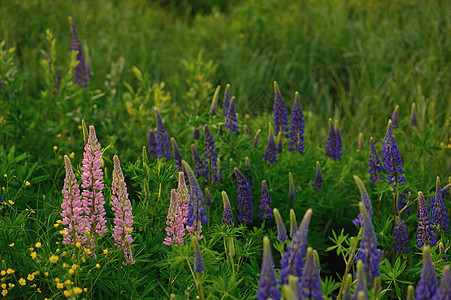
{"x":256,"y":138}
{"x":395,"y":117}
{"x":92,"y":177}
{"x":413,"y":116}
{"x":175,"y":229}
{"x":439,"y":212}
{"x":410,"y":292}
{"x":247,"y":163}
{"x":361,"y":143}
{"x":244,"y":198}
{"x":231,"y":119}
{"x":292,"y":261}
{"x":183,"y":198}
{"x":296,"y":134}
{"x":198,"y":261}
{"x":162,"y":141}
{"x":227,"y":217}
{"x":291,"y":189}
{"x":214,"y":102}
{"x":281,"y":230}
{"x":402,"y":202}
{"x":425,"y":230}
{"x":293,"y":223}
{"x":207,"y":197}
{"x":265,"y":200}
{"x":401,"y":237}
{"x":428,"y":284}
{"x":198,"y":163}
{"x":360,"y":285}
{"x":210,"y":153}
{"x":72,"y":208}
{"x":196,"y":134}
{"x":152,"y":143}
{"x":267,"y":286}
{"x":365,"y":198}
{"x":81,"y":76}
{"x":177,"y":155}
{"x":196,"y":209}
{"x":271,"y":150}
{"x":368,"y":252}
{"x":392,"y":158}
{"x":444,"y":291}
{"x":226,"y":102}
{"x":280,"y":112}
{"x":310,"y":283}
{"x":279,"y":143}
{"x":123,"y":216}
{"x":374,"y":163}
{"x":330,"y":142}
{"x":318,"y":178}
{"x":338,"y":142}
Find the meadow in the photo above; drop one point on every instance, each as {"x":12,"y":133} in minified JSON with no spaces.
{"x":235,"y":150}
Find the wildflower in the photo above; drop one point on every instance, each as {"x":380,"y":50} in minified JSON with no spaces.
{"x":279,"y":143}
{"x":425,"y":230}
{"x":281,"y":230}
{"x":210,"y":153}
{"x":30,"y":277}
{"x":22,"y":281}
{"x":401,"y":237}
{"x":231,"y":119}
{"x":81,"y":72}
{"x":3,"y":273}
{"x":439,"y":212}
{"x":338,"y":142}
{"x":11,"y":202}
{"x":361,"y":143}
{"x":444,"y":291}
{"x":413,"y":116}
{"x":214,"y":102}
{"x":11,"y":245}
{"x":33,"y":255}
{"x":105,"y":251}
{"x":365,"y":198}
{"x":183,"y":197}
{"x":53,"y":259}
{"x":208,"y":197}
{"x":72,"y":155}
{"x":227,"y":217}
{"x":198,"y":262}
{"x":296,"y":134}
{"x":176,"y":227}
{"x":226,"y":102}
{"x":293,"y":223}
{"x":177,"y":155}
{"x":310,"y":283}
{"x":291,"y":189}
{"x":27,"y":183}
{"x":162,"y":142}
{"x":392,"y":158}
{"x":71,"y":272}
{"x":38,"y":245}
{"x":256,"y":138}
{"x":368,"y":253}
{"x":67,"y":293}
{"x":77,"y":290}
{"x":292,"y":261}
{"x":152,"y":143}
{"x":267,"y":286}
{"x":196,"y":134}
{"x":247,"y":163}
{"x":46,"y":274}
{"x":97,"y":266}
{"x":244,"y":198}
{"x":360,"y":285}
{"x":4,"y":293}
{"x":271,"y":150}
{"x":280,"y":112}
{"x":427,"y":286}
{"x":265,"y":200}
{"x":318,"y":178}
{"x":395,"y":117}
{"x":198,"y":163}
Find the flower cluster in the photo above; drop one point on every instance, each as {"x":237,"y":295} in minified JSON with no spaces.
{"x":271,"y":150}
{"x":244,"y":198}
{"x":427,"y":286}
{"x":391,"y":157}
{"x":401,"y":237}
{"x":152,"y":143}
{"x":296,"y":134}
{"x":162,"y":142}
{"x":365,"y":198}
{"x":210,"y":153}
{"x":82,"y":71}
{"x":267,"y":286}
{"x":265,"y":200}
{"x":374,"y":164}
{"x":334,"y":142}
{"x":199,"y":168}
{"x":175,"y":230}
{"x":227,"y":217}
{"x":318,"y":178}
{"x":226,"y":102}
{"x":425,"y":230}
{"x":281,"y":229}
{"x":310,"y":283}
{"x":439,"y":212}
{"x":231,"y":119}
{"x":280,"y":112}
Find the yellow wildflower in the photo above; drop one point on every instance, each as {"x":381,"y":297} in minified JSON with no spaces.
{"x":3,"y":272}
{"x":58,"y":221}
{"x":72,"y":155}
{"x":67,"y":282}
{"x":5,"y":175}
{"x":57,"y":280}
{"x":63,"y":232}
{"x":3,"y":285}
{"x":67,"y":293}
{"x":46,"y":274}
{"x":85,"y":290}
{"x":4,"y":293}
{"x":56,"y":225}
{"x":128,"y":229}
{"x":105,"y":251}
{"x":65,"y":265}
{"x":53,"y":259}
{"x":97,"y":266}
{"x":30,"y":277}
{"x":59,"y":285}
{"x":60,"y":157}
{"x":10,"y":271}
{"x":77,"y":290}
{"x":55,"y":148}
{"x":38,"y":245}
{"x":11,"y":245}
{"x":11,"y":285}
{"x":58,"y":135}
{"x":78,"y":244}
{"x":22,"y":281}
{"x":33,"y":255}
{"x":27,"y":183}
{"x":74,"y":266}
{"x":71,"y":271}
{"x":83,"y":259}
{"x":33,"y":212}
{"x":57,"y":249}
{"x":87,"y":251}
{"x":11,"y":202}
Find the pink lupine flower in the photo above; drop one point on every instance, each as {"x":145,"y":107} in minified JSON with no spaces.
{"x":93,"y":201}
{"x":72,"y":208}
{"x":176,"y":226}
{"x":183,"y":197}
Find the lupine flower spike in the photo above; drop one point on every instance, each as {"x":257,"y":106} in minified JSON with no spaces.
{"x":123,"y":216}
{"x":391,"y":156}
{"x":365,"y":198}
{"x":428,"y":284}
{"x":279,"y":143}
{"x":280,"y":112}
{"x":360,"y":285}
{"x":231,"y":118}
{"x":374,"y":164}
{"x":81,"y":72}
{"x":177,"y":155}
{"x":214,"y":102}
{"x":413,"y":116}
{"x":439,"y":211}
{"x":368,"y":253}
{"x":296,"y":134}
{"x":176,"y":227}
{"x":310,"y":283}
{"x":265,"y":203}
{"x":292,"y":261}
{"x":444,"y":291}
{"x":318,"y":178}
{"x":198,"y":261}
{"x":196,"y":133}
{"x":330,"y":142}
{"x":361,"y":143}
{"x":226,"y":102}
{"x":291,"y":189}
{"x":162,"y":141}
{"x":198,"y":163}
{"x":281,"y":230}
{"x":338,"y":142}
{"x":183,"y":198}
{"x":72,"y":208}
{"x":293,"y":223}
{"x":227,"y":217}
{"x":152,"y":143}
{"x":256,"y":138}
{"x":401,"y":237}
{"x":410,"y":292}
{"x":247,"y":163}
{"x":395,"y":118}
{"x":271,"y":150}
{"x":244,"y":198}
{"x":210,"y":154}
{"x":267,"y":286}
{"x":425,"y":230}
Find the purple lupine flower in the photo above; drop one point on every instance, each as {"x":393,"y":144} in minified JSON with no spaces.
{"x":279,"y":143}
{"x":361,"y":143}
{"x":267,"y":286}
{"x":310,"y":282}
{"x":330,"y":142}
{"x":207,"y":197}
{"x":80,"y":75}
{"x":214,"y":102}
{"x":231,"y":119}
{"x":360,"y":285}
{"x":123,"y":216}
{"x":210,"y":154}
{"x":227,"y":217}
{"x":280,"y":112}
{"x":281,"y":230}
{"x":152,"y":143}
{"x":198,"y":261}
{"x":439,"y":212}
{"x":196,"y":209}
{"x":265,"y":200}
{"x":296,"y":134}
{"x":293,"y":223}
{"x":368,"y":252}
{"x":444,"y":291}
{"x":391,"y":156}
{"x":177,"y":155}
{"x":72,"y":208}
{"x":256,"y":138}
{"x":292,"y":261}
{"x":291,"y":188}
{"x":428,"y":284}
{"x":413,"y":116}
{"x":338,"y":142}
{"x":271,"y":150}
{"x":401,"y":237}
{"x":395,"y":117}
{"x":196,"y":134}
{"x":374,"y":163}
{"x":244,"y":198}
{"x":92,"y":177}
{"x":226,"y":102}
{"x":162,"y":142}
{"x":425,"y":230}
{"x":198,"y":163}
{"x":247,"y":163}
{"x":402,"y":202}
{"x":365,"y":198}
{"x":318,"y":178}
